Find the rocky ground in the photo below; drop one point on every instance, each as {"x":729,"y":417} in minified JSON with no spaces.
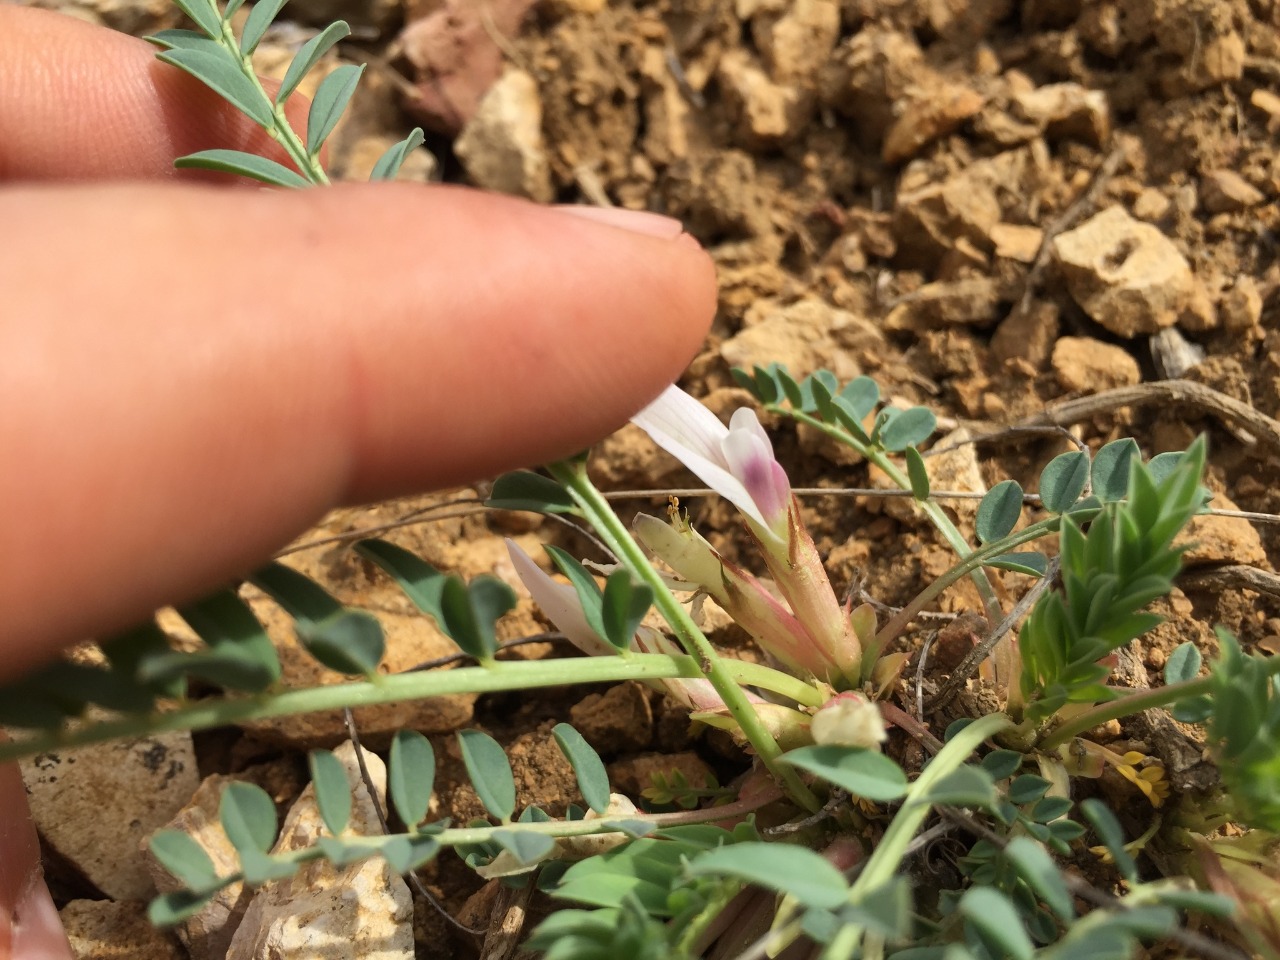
{"x":990,"y":207}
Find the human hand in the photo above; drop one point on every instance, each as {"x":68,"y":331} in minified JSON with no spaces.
{"x":195,"y":373}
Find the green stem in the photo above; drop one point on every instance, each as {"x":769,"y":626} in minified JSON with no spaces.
{"x":933,"y":510}
{"x":887,"y":856}
{"x":573,"y":476}
{"x":280,"y":131}
{"x":1135,"y":703}
{"x":501,"y":676}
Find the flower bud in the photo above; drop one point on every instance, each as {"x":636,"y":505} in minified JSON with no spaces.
{"x":849,"y":720}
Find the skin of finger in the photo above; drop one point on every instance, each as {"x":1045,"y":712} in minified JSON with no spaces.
{"x":78,"y":101}
{"x":29,"y":929}
{"x":197,"y":374}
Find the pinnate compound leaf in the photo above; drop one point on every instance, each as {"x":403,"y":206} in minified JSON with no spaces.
{"x":204,"y":13}
{"x":593,"y":780}
{"x":310,"y":55}
{"x":1111,"y":469}
{"x":1041,"y":873}
{"x":528,"y":848}
{"x":996,"y":921}
{"x":917,"y":473}
{"x":170,"y":909}
{"x":232,"y":6}
{"x":1063,"y":480}
{"x":623,"y":606}
{"x":525,"y":490}
{"x":388,"y":166}
{"x":421,"y":582}
{"x":243,"y":165}
{"x":262,"y":15}
{"x":329,"y":103}
{"x":333,"y":791}
{"x":1109,"y":831}
{"x":411,"y":775}
{"x":406,"y":854}
{"x":999,"y":510}
{"x":222,"y":74}
{"x":1029,"y":562}
{"x":907,"y":428}
{"x":248,"y":817}
{"x":349,"y":642}
{"x":490,"y":772}
{"x":179,"y":853}
{"x":1183,"y":664}
{"x":864,"y":773}
{"x":786,"y":868}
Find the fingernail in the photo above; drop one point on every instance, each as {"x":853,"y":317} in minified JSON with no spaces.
{"x":637,"y":221}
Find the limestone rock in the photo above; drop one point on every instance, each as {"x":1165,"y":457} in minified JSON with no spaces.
{"x":1068,"y":111}
{"x":362,"y":910}
{"x":769,"y":113}
{"x":96,"y":805}
{"x":1241,"y":307}
{"x":502,"y":147}
{"x":1225,"y":191}
{"x":1084,"y":364}
{"x":1027,"y":336}
{"x":454,"y":50}
{"x":618,"y":720}
{"x":1126,"y":274}
{"x":972,"y":301}
{"x":798,"y":42}
{"x":1217,"y":540}
{"x":1017,"y":241}
{"x":927,"y":220}
{"x":927,"y":118}
{"x":115,"y":930}
{"x":800,"y":335}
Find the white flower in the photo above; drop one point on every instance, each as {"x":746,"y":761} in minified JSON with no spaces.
{"x":736,"y":461}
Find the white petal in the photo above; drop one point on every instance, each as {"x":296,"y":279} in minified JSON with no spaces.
{"x":559,"y":602}
{"x":691,"y":433}
{"x":676,"y":419}
{"x":744,"y":418}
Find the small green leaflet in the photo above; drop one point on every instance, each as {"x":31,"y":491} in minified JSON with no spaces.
{"x":490,"y":772}
{"x":243,"y":165}
{"x":205,"y":15}
{"x":786,"y":868}
{"x":260,"y":17}
{"x":309,"y":56}
{"x":999,"y":510}
{"x":248,"y":816}
{"x":421,"y":582}
{"x":333,"y":791}
{"x":864,"y":773}
{"x":593,"y":781}
{"x":411,"y":775}
{"x":388,"y":165}
{"x":223,"y":75}
{"x":1063,"y":480}
{"x":350,"y":642}
{"x":331,"y":99}
{"x":917,"y":473}
{"x":524,"y":490}
{"x":183,"y":857}
{"x":997,"y":923}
